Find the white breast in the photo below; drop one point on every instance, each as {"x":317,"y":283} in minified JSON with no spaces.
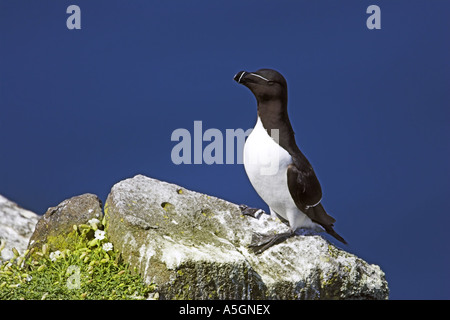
{"x":266,"y":162}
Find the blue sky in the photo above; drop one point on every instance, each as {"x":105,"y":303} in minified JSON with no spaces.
{"x":83,"y":109}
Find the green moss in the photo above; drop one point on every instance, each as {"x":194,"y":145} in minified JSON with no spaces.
{"x":79,"y":269}
{"x":69,"y":241}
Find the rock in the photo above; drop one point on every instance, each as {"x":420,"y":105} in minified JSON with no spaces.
{"x":16,"y":226}
{"x":54,"y":226}
{"x":194,"y":246}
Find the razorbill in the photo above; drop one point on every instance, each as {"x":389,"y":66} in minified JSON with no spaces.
{"x":277,"y":169}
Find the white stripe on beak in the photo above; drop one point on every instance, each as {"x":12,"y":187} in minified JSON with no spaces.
{"x":257,"y":75}
{"x":242,"y":74}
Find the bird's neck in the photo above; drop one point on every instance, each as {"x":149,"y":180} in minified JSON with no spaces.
{"x":273,"y":114}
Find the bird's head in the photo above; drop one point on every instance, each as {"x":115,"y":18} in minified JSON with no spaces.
{"x":266,"y":84}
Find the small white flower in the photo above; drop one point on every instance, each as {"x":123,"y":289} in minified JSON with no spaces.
{"x":55,"y":255}
{"x":99,"y":234}
{"x":107,"y":246}
{"x":94,"y":221}
{"x":29,"y":278}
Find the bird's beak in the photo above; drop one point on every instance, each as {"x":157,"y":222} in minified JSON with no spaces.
{"x":240,"y":76}
{"x":243,"y":76}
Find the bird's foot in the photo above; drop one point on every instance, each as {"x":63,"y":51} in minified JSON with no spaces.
{"x":262,"y":242}
{"x":252,"y":212}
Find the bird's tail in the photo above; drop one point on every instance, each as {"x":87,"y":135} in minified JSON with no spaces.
{"x":321,"y":217}
{"x":331,"y":231}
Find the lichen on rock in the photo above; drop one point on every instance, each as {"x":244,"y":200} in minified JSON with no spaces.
{"x":55,"y":227}
{"x":183,"y":245}
{"x":195,"y":246}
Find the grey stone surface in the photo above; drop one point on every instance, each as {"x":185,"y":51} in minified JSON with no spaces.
{"x":58,"y":221}
{"x":195,"y":246}
{"x":16,"y":226}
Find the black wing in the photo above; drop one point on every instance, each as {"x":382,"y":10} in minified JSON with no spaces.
{"x":306,"y":192}
{"x":304,"y":186}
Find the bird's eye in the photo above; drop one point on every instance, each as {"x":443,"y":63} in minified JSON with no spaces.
{"x":270,"y":83}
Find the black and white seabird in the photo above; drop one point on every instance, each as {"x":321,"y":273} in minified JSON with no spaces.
{"x":277,"y":169}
